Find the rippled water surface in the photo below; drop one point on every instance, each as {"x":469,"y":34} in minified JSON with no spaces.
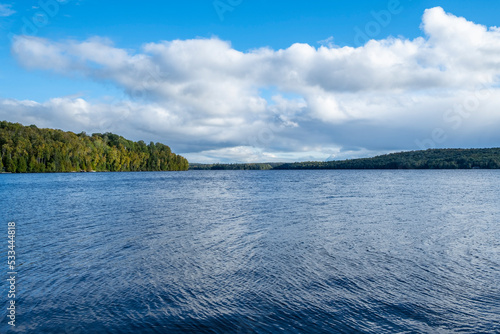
{"x":255,"y":252}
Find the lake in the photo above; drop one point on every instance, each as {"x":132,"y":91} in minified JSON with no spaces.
{"x":330,"y":251}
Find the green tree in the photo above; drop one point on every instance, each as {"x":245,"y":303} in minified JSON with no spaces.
{"x":22,"y":166}
{"x":32,"y":167}
{"x":10,"y":164}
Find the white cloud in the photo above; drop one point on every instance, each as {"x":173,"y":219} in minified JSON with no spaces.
{"x":6,"y":10}
{"x":246,"y":154}
{"x":206,"y":97}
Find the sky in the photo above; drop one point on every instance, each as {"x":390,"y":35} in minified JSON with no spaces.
{"x":254,"y":80}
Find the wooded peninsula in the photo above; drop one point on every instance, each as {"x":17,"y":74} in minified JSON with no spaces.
{"x":30,"y":149}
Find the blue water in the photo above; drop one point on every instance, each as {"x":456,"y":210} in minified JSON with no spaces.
{"x":254,"y":252}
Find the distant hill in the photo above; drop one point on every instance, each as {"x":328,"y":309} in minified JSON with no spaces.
{"x":487,"y":158}
{"x":30,"y":149}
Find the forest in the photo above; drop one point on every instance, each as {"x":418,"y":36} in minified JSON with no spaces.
{"x":248,"y":166}
{"x":486,"y":158}
{"x":28,"y":149}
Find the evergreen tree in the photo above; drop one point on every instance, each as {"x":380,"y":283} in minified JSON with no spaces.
{"x":22,"y":167}
{"x":10,"y":164}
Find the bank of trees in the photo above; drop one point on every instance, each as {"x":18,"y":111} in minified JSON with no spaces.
{"x":247,"y":166}
{"x":487,"y":158}
{"x":30,"y":149}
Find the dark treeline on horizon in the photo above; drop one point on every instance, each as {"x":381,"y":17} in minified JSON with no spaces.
{"x":235,"y":166}
{"x":486,"y":158}
{"x":30,"y":149}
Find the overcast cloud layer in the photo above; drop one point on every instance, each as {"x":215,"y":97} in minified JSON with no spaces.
{"x":211,"y":102}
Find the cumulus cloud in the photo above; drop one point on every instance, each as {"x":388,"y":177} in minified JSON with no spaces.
{"x":207,"y":97}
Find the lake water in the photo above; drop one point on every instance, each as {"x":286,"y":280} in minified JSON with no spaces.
{"x":254,"y":252}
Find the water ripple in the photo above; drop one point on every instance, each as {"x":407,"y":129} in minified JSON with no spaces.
{"x":256,"y":252}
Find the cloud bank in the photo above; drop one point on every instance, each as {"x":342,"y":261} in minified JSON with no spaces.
{"x":214,"y":103}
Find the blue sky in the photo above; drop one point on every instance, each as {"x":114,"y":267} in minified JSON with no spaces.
{"x":279,"y":112}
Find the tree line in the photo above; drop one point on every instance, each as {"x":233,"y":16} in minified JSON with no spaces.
{"x":486,"y":158}
{"x":30,"y":149}
{"x":247,"y":166}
